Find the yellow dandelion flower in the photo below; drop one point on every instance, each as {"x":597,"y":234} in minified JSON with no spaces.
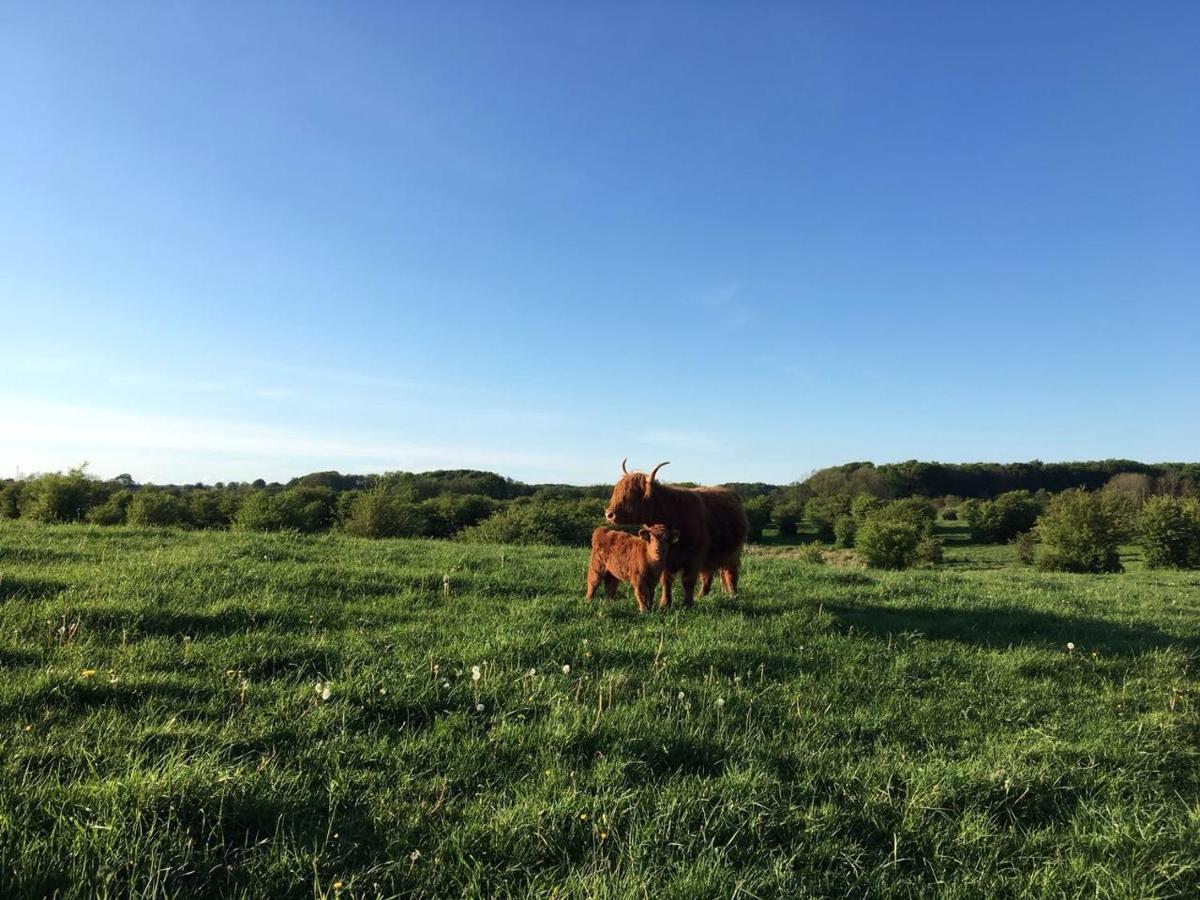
{"x":583,"y":817}
{"x":87,"y":673}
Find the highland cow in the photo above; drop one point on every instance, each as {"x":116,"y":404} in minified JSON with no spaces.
{"x":617,"y":557}
{"x":711,"y":522}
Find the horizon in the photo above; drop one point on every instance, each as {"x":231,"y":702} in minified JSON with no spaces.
{"x":246,"y":243}
{"x":86,"y":466}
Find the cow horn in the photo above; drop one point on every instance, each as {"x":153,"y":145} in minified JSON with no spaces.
{"x":624,"y":471}
{"x":656,"y":468}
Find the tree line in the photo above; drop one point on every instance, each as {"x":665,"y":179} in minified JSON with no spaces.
{"x":998,"y":501}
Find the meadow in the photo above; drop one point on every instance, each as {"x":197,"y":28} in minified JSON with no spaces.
{"x":216,"y":713}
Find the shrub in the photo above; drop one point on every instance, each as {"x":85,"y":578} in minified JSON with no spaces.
{"x":1168,"y":532}
{"x":811,"y":554}
{"x":151,"y":506}
{"x":300,"y":508}
{"x":915,"y":511}
{"x":758,"y":514}
{"x":888,"y":544}
{"x":112,"y":511}
{"x":1000,"y":520}
{"x":372,"y":514}
{"x":451,"y":513}
{"x":55,"y":497}
{"x":930,"y":551}
{"x":210,"y":508}
{"x":384,"y":512}
{"x":823,"y":511}
{"x":10,"y":500}
{"x":843,"y":531}
{"x":786,"y":514}
{"x":548,"y":522}
{"x":1078,"y":534}
{"x":863,"y":505}
{"x":1026,"y":543}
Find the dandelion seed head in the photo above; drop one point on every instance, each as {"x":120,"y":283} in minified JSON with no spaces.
{"x":567,"y":669}
{"x":479,"y":707}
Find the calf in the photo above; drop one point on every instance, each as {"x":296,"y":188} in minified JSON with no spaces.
{"x":617,"y":557}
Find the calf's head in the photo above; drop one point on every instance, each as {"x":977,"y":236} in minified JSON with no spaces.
{"x":632,"y":501}
{"x":659,"y":539}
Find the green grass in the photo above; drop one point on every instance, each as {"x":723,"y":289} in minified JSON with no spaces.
{"x":829,"y":733}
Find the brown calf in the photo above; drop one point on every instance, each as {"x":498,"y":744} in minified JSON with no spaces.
{"x":711,"y":522}
{"x":617,"y":557}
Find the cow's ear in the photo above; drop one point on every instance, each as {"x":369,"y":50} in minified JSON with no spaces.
{"x":644,"y":534}
{"x":674,"y":535}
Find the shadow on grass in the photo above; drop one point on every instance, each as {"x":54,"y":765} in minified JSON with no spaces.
{"x":12,"y":588}
{"x":225,"y":621}
{"x":998,"y":629}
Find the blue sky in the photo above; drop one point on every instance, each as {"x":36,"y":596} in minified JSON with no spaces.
{"x":538,"y":237}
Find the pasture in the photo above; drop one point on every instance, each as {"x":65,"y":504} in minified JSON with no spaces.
{"x":267,"y":715}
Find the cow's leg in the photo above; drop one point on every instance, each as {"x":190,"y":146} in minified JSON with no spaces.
{"x":665,"y":580}
{"x":593,"y":581}
{"x":689,"y":586}
{"x":729,"y":577}
{"x":643,"y":589}
{"x":611,"y":583}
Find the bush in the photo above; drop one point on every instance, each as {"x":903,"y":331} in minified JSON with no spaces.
{"x":1168,"y":532}
{"x":548,"y":522}
{"x":863,"y":505}
{"x":451,"y":513}
{"x":372,"y":514}
{"x":151,"y":506}
{"x":56,"y":497}
{"x":112,"y":511}
{"x":210,"y":508}
{"x":1000,"y":520}
{"x":811,"y":554}
{"x":930,"y":551}
{"x":1078,"y":534}
{"x":10,"y":499}
{"x":915,"y":511}
{"x":300,"y":508}
{"x":888,"y":544}
{"x":844,"y":529}
{"x":758,"y":514}
{"x":1026,"y":543}
{"x":786,"y":514}
{"x":822,"y":512}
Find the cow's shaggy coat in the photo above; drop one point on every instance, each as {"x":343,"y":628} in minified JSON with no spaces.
{"x":711,"y":522}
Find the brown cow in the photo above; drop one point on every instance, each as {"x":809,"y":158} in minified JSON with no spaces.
{"x":617,"y":557}
{"x":711,"y":522}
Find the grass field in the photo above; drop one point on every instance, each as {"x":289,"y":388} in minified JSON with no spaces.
{"x":831,"y":732}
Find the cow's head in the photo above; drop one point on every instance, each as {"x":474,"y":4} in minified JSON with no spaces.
{"x":632,"y":501}
{"x":659,"y":539}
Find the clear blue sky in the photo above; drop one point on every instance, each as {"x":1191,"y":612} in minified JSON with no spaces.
{"x":539,"y":237}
